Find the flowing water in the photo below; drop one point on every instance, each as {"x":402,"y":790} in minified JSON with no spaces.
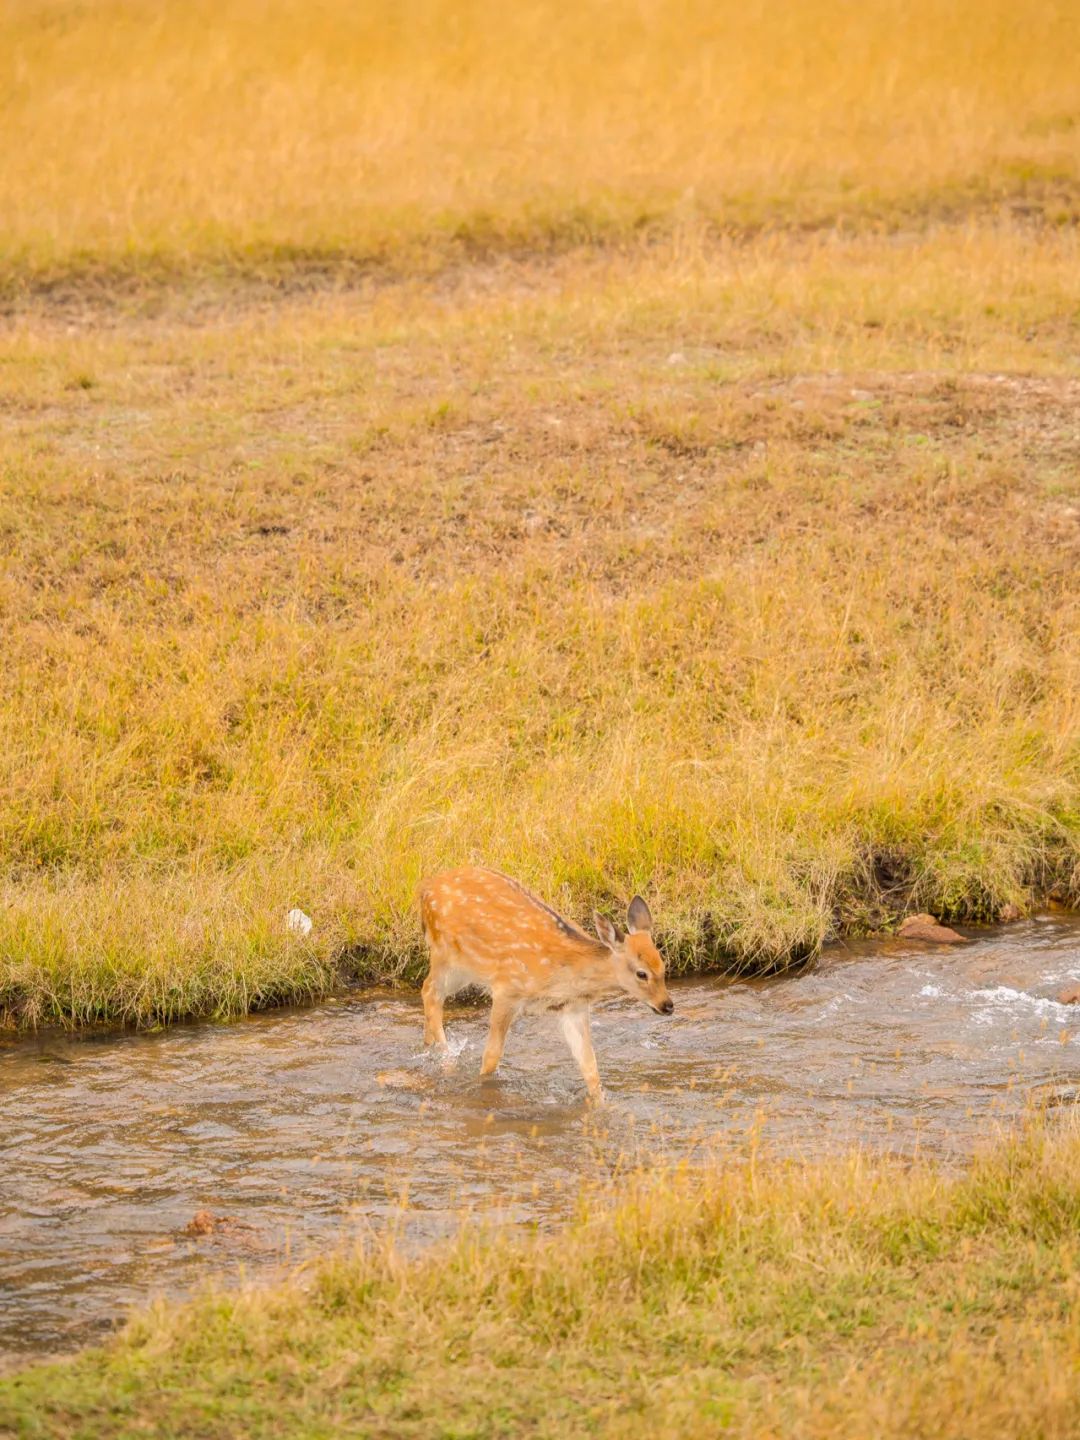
{"x":302,"y":1124}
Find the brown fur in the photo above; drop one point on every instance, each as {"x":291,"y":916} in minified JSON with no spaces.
{"x":484,"y":928}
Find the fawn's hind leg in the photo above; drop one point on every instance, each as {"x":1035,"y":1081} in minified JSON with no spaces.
{"x":503,"y":1014}
{"x":434,"y":993}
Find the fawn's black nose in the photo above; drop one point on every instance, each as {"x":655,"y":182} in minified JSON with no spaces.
{"x":667,"y":1007}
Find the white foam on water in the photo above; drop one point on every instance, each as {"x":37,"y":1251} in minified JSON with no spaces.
{"x":435,"y":1054}
{"x":1004,"y":997}
{"x":837,"y":1003}
{"x":986,"y":1017}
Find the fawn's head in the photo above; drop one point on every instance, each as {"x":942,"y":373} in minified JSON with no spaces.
{"x":639,"y":969}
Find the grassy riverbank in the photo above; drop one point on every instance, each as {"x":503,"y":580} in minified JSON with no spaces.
{"x":525,"y":503}
{"x":745,"y":576}
{"x":853,"y":1298}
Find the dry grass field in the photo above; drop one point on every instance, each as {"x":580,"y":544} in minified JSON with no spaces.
{"x":745,"y":1299}
{"x":636,"y":447}
{"x":742,"y":575}
{"x":633,"y":445}
{"x":183,"y":134}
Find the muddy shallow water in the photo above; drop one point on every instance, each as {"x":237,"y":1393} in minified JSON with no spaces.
{"x":302,"y":1124}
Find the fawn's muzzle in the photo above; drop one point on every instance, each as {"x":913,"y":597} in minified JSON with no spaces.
{"x":667,"y":1007}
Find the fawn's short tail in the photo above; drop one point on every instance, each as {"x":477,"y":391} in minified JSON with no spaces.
{"x":428,"y":918}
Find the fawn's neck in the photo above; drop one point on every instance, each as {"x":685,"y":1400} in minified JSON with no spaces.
{"x":595,"y":973}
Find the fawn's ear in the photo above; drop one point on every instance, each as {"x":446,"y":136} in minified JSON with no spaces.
{"x":606,"y":930}
{"x":638,"y":917}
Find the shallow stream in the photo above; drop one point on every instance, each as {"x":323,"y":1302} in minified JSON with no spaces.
{"x":302,"y":1124}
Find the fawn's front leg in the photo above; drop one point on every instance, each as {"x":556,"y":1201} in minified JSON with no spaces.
{"x":577,"y":1034}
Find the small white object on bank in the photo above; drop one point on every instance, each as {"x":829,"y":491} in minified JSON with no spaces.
{"x":298,"y":922}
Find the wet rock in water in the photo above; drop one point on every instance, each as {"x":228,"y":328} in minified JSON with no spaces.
{"x":925,"y":927}
{"x":1069,"y":996}
{"x":205,"y":1222}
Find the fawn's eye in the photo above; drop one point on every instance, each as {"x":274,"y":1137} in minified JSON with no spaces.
{"x":642,"y":974}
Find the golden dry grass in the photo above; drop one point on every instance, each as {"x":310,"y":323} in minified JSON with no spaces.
{"x":851,"y":1299}
{"x":742,"y":575}
{"x":361,"y":513}
{"x":732,"y":558}
{"x":187,"y":132}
